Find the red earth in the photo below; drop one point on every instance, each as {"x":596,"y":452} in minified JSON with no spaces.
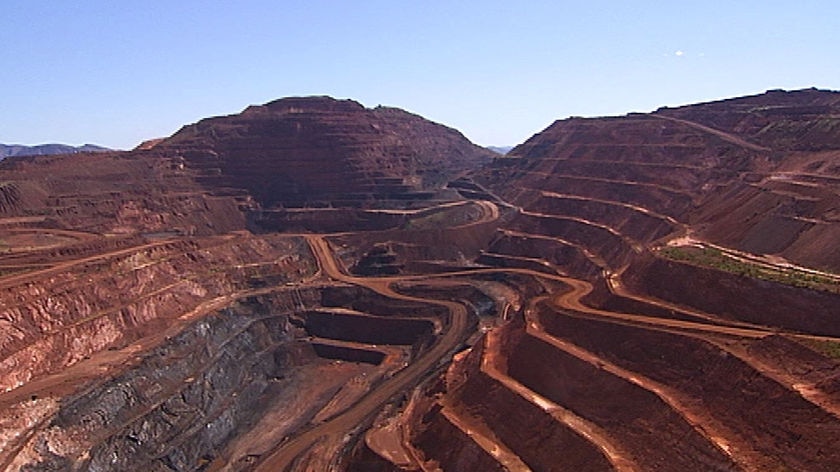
{"x":313,"y":285}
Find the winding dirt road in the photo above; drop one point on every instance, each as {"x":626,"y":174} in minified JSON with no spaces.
{"x":716,"y":132}
{"x":334,"y":430}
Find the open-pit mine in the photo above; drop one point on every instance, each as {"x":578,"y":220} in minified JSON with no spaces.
{"x":312,"y":285}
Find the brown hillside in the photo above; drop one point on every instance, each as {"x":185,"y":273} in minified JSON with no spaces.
{"x":318,"y":151}
{"x":759,"y":174}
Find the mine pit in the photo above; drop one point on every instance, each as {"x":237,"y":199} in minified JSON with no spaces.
{"x":315,"y":285}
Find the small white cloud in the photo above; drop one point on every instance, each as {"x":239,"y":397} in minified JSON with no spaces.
{"x":679,"y":53}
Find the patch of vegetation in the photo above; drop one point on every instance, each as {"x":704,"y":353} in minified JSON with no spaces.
{"x":4,"y":271}
{"x":716,"y":259}
{"x":827,"y":348}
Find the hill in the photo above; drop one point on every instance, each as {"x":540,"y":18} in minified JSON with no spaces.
{"x":319,"y":151}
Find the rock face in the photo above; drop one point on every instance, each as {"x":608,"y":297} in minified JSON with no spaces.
{"x":313,"y":285}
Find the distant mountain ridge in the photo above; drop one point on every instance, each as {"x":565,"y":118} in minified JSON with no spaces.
{"x":500,"y":149}
{"x":9,"y":150}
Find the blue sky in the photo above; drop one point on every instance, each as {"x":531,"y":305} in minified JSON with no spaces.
{"x":116,"y":73}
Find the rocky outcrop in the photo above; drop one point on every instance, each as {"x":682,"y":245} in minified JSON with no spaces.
{"x":56,"y":317}
{"x":179,"y":404}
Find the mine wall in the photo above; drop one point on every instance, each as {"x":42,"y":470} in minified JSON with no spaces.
{"x":72,"y":250}
{"x":476,"y":301}
{"x":525,"y":286}
{"x":367,"y":301}
{"x":776,"y":217}
{"x":170,"y":412}
{"x":53,"y":323}
{"x":366,"y":460}
{"x":530,"y":432}
{"x":762,"y":416}
{"x":612,"y":248}
{"x":366,"y":328}
{"x":516,"y":262}
{"x":570,"y":259}
{"x":676,"y":177}
{"x":792,"y":357}
{"x":637,"y":225}
{"x":816,"y":247}
{"x":431,"y":242}
{"x":453,"y":448}
{"x":758,"y":301}
{"x":350,"y":354}
{"x":601,"y":297}
{"x":622,"y":408}
{"x":9,"y":197}
{"x":651,"y":196}
{"x":139,"y":208}
{"x":379,"y":261}
{"x":432,"y":433}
